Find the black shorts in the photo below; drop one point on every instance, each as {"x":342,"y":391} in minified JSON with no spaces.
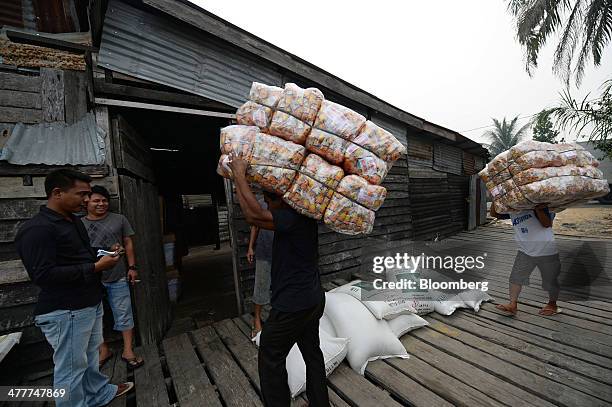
{"x":549,"y":266}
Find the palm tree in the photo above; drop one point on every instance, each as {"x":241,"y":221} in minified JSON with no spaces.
{"x":586,"y":29}
{"x":504,"y":135}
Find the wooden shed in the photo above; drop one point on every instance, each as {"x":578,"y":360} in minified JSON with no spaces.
{"x":154,"y":81}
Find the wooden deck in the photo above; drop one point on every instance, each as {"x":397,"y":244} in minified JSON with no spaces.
{"x":467,"y":359}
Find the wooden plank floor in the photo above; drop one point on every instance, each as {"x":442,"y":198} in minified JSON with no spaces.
{"x":467,"y":359}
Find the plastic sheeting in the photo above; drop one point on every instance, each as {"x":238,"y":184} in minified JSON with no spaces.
{"x":81,"y":143}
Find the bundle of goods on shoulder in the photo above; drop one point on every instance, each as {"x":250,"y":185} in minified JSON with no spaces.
{"x":533,"y":173}
{"x":325,"y":160}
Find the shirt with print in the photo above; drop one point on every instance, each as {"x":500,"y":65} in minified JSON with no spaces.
{"x":104,"y":233}
{"x":532,"y":238}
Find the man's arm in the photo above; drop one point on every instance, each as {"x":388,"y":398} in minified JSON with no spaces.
{"x":252,"y":240}
{"x":541,"y":212}
{"x":37,"y":248}
{"x":253,"y":212}
{"x":128,"y":245}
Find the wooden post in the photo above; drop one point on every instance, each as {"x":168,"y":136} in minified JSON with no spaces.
{"x":234,"y":242}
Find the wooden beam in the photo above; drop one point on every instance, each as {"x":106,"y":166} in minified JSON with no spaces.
{"x":126,"y":91}
{"x":22,"y":83}
{"x":15,"y":98}
{"x":12,"y":271}
{"x":41,"y":40}
{"x":40,"y":169}
{"x":150,"y":106}
{"x":12,"y":187}
{"x":20,"y":115}
{"x":52,"y":93}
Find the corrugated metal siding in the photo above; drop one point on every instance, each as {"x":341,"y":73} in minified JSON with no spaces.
{"x":458,"y":192}
{"x":479,"y":163}
{"x":430,"y":207}
{"x":420,"y":152}
{"x":397,"y":128}
{"x":155,"y":48}
{"x":447,"y":158}
{"x":81,"y":143}
{"x":469,"y":164}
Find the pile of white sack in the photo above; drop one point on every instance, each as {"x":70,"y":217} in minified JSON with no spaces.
{"x":325,"y":160}
{"x":532,"y":173}
{"x":368,"y":330}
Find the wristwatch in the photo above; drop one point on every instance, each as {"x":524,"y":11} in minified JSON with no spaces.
{"x":133,"y":267}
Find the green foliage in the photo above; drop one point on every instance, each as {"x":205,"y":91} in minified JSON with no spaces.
{"x":504,"y":135}
{"x":584,"y":28}
{"x":594,"y":117}
{"x":543,"y":128}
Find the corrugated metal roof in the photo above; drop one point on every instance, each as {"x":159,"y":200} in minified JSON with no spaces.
{"x":81,"y":143}
{"x":154,"y":48}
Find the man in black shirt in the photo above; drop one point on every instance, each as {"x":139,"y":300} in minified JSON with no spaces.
{"x":57,"y":255}
{"x":297,"y":297}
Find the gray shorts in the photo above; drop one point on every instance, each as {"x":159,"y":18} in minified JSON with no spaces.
{"x":549,"y":266}
{"x":261,"y":291}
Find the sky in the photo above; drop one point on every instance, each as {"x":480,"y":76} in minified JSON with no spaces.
{"x":453,"y":63}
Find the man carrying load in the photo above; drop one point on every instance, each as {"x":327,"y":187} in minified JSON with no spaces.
{"x":537,"y":248}
{"x":297,"y":300}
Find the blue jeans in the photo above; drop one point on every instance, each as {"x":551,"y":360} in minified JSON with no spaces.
{"x":120,"y":302}
{"x":75,"y":337}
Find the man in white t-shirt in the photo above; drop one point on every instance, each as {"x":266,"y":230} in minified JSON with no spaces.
{"x":536,"y":248}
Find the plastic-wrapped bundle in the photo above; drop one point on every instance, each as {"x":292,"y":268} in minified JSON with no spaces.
{"x":379,"y":141}
{"x":538,"y":174}
{"x":317,"y":168}
{"x":238,"y":139}
{"x":259,"y":109}
{"x":333,"y":125}
{"x":364,"y":163}
{"x":296,"y":112}
{"x":313,"y":187}
{"x":360,"y":191}
{"x":274,"y":163}
{"x":264,"y":94}
{"x":555,"y":174}
{"x":327,"y":145}
{"x":223,"y":168}
{"x":254,"y":114}
{"x":272,"y":151}
{"x":288,"y":127}
{"x":338,"y":120}
{"x":345,"y":216}
{"x":308,"y":196}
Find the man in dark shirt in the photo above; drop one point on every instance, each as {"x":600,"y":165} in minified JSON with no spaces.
{"x":57,"y":255}
{"x":297,"y":298}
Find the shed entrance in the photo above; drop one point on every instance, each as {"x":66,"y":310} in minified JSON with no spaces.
{"x":172,"y":195}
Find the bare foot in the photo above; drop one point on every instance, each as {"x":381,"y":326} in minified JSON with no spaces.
{"x":507,"y":308}
{"x":548,"y":310}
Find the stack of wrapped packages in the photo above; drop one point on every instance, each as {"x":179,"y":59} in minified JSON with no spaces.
{"x":325,"y":160}
{"x":533,"y":173}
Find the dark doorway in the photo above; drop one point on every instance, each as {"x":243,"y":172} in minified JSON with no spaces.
{"x":193,"y":216}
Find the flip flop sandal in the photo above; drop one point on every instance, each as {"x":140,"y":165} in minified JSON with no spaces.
{"x":128,"y":386}
{"x":558,"y":311}
{"x":133,"y":363}
{"x":506,"y":313}
{"x":102,"y":362}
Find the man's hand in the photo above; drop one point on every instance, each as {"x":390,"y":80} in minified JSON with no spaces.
{"x":106,"y":263}
{"x":132,"y":276}
{"x":250,"y":255}
{"x":237,"y":165}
